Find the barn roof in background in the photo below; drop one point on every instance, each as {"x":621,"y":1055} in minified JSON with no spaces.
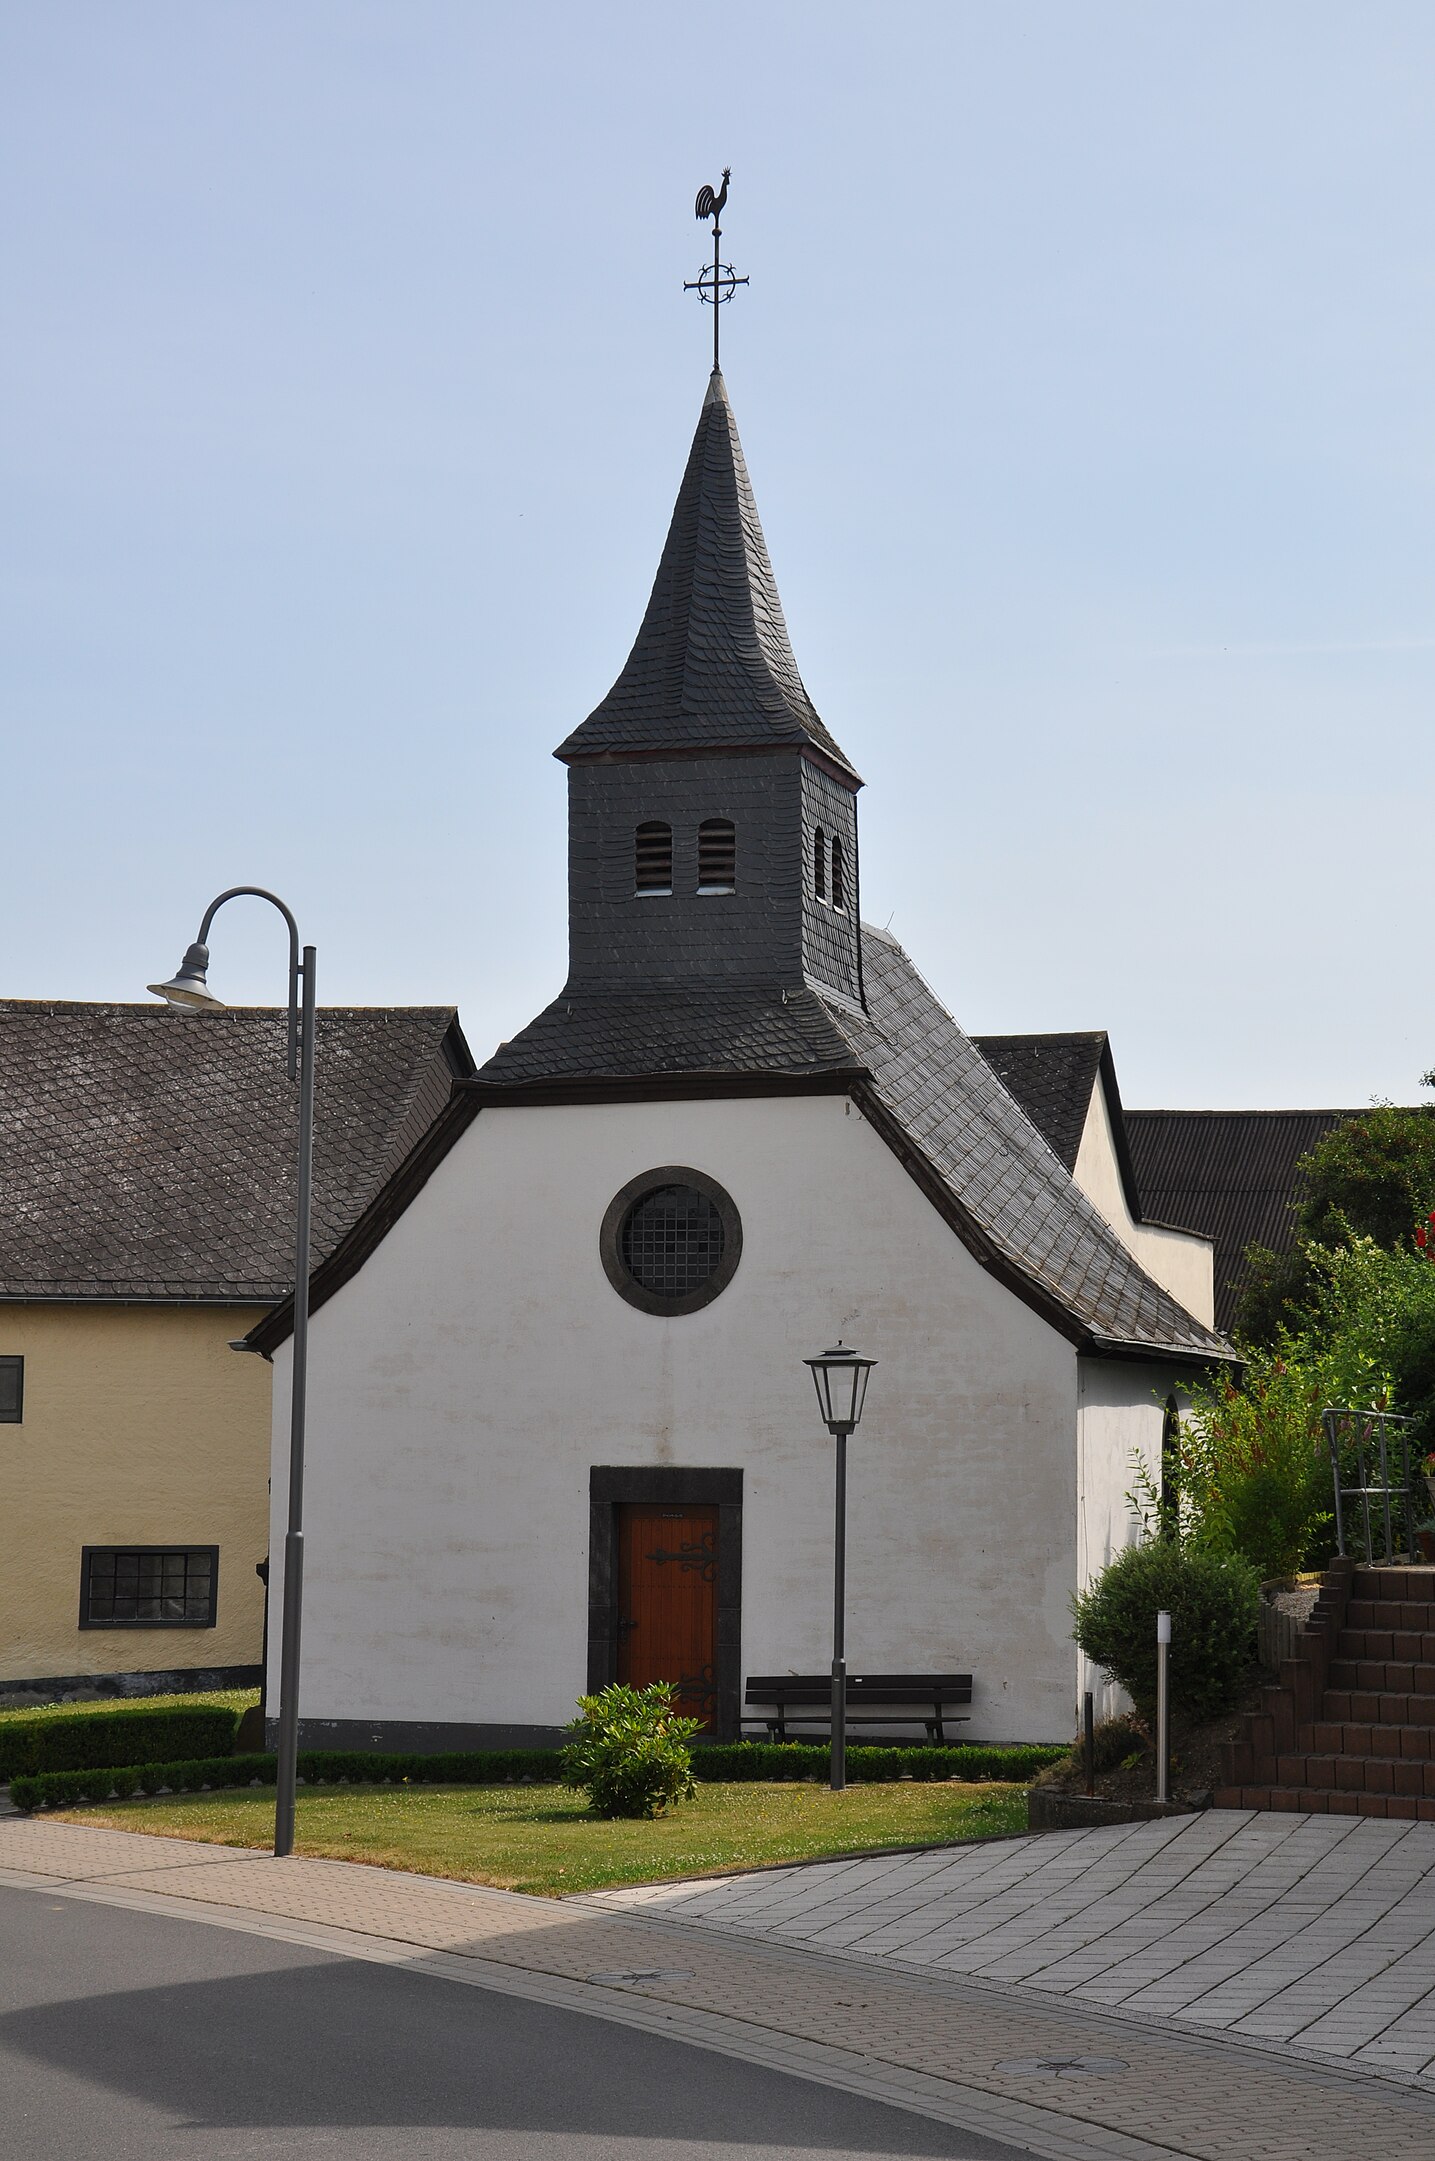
{"x":1229,"y":1174}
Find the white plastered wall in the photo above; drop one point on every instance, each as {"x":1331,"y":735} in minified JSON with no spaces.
{"x":1122,"y":1409}
{"x":465,"y":1380}
{"x":1182,"y":1262}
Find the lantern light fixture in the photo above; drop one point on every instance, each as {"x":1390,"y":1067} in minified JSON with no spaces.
{"x":840,"y":1377}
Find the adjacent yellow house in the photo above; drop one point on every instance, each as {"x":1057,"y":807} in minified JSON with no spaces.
{"x":146,"y":1223}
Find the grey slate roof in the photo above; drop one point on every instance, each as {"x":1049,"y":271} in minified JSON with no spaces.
{"x":147,"y":1153}
{"x":712,"y":666}
{"x":715,"y":1029}
{"x":1229,"y":1174}
{"x":996,"y":1164}
{"x":1052,"y":1077}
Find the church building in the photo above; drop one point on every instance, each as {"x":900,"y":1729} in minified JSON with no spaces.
{"x":560,"y":1427}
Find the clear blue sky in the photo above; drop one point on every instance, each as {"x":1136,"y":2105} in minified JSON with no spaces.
{"x":1085,"y":377}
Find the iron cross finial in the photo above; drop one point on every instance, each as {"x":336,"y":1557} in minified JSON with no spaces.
{"x":717,"y":282}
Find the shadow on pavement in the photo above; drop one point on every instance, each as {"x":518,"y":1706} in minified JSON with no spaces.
{"x":189,"y":2025}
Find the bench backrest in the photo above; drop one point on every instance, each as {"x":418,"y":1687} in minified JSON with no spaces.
{"x":889,"y":1688}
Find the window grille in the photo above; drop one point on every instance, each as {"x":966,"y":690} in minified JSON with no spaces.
{"x":653,"y":858}
{"x":672,"y":1241}
{"x":839,"y":881}
{"x":148,"y":1586}
{"x":717,"y":856}
{"x":12,"y":1391}
{"x":819,"y":864}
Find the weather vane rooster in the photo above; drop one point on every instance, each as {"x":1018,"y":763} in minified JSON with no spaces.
{"x":710,"y":205}
{"x":716,"y":284}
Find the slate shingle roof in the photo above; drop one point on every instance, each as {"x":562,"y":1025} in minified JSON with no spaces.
{"x":1229,"y":1174}
{"x":149,"y":1153}
{"x":716,"y":1029}
{"x":996,"y":1164}
{"x":712,"y":667}
{"x":1052,"y":1077}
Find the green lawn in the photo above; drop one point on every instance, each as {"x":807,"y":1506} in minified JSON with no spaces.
{"x":541,"y":1838}
{"x":235,"y":1699}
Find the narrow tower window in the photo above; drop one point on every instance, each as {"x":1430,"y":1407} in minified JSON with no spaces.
{"x":839,"y":879}
{"x":653,"y":858}
{"x":717,"y":856}
{"x":819,"y":864}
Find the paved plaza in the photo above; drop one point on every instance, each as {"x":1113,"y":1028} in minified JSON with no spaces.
{"x":1316,"y":1933}
{"x":1062,"y":2073}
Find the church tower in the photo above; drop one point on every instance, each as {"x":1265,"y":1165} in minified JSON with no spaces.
{"x":712,"y":820}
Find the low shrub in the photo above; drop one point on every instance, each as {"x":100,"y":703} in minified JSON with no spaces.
{"x":631,"y":1753}
{"x":1212,"y":1599}
{"x":768,"y":1762}
{"x":132,"y":1733}
{"x":776,"y":1762}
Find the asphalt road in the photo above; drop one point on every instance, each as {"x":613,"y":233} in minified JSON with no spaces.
{"x":136,"y":2037}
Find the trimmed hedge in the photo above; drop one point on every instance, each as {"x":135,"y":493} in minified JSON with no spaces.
{"x":776,"y":1761}
{"x":134,"y":1733}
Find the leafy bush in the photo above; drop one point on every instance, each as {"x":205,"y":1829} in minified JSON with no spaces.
{"x":631,"y":1752}
{"x":1254,"y":1475}
{"x":1212,"y":1599}
{"x":134,"y":1733}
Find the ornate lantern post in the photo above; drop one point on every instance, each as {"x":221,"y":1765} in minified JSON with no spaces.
{"x":840,"y":1376}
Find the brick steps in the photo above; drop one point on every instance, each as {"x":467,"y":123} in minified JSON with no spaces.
{"x":1349,"y":1729}
{"x":1316,"y":1801}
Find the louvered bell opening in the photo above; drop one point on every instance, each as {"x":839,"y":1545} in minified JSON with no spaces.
{"x":653,"y":858}
{"x":819,"y":864}
{"x":717,"y":856}
{"x":839,"y":877}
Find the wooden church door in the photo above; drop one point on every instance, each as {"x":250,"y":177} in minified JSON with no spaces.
{"x":667,"y":1602}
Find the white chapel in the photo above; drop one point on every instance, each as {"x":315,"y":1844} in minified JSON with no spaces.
{"x":560,"y":1427}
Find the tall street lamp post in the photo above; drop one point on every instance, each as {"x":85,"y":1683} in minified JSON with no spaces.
{"x":841,"y":1380}
{"x":188,"y":987}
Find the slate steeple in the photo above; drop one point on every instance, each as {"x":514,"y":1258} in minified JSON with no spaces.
{"x":712,"y":819}
{"x":712,"y":666}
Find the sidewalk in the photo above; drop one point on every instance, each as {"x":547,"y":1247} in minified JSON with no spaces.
{"x":1067,"y":2082}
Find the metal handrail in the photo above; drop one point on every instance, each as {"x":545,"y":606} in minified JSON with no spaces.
{"x":1368,"y":1441}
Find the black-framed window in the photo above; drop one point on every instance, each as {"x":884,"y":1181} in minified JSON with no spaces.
{"x":717,"y":856}
{"x":653,"y":857}
{"x":12,"y":1391}
{"x":819,"y":864}
{"x":148,"y":1586}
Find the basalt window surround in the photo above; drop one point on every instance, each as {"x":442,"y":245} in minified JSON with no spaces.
{"x":612,"y":1485}
{"x":628,"y":1200}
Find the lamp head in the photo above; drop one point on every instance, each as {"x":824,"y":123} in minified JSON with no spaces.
{"x":840,"y":1376}
{"x":188,"y":986}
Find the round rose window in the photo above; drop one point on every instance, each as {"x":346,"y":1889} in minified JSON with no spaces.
{"x":671,"y":1241}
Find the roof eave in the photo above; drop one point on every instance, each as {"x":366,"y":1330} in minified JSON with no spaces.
{"x":646,"y":753}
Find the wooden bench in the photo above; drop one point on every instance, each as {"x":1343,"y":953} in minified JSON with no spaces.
{"x":805,"y":1699}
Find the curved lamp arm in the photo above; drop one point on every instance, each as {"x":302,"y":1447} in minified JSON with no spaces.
{"x":189,"y":985}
